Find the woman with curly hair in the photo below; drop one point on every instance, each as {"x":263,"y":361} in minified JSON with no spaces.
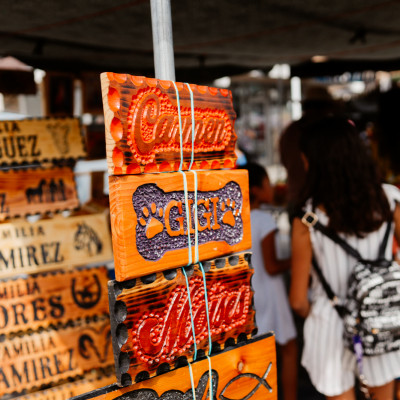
{"x":344,"y":191}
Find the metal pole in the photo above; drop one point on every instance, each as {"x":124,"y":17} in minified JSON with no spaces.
{"x":163,"y":46}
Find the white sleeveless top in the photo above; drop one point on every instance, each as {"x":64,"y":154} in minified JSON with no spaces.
{"x":332,"y":367}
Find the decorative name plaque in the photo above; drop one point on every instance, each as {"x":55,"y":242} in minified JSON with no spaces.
{"x":36,"y":191}
{"x":52,"y":298}
{"x":245,"y":372}
{"x":49,"y":356}
{"x":150,"y":317}
{"x":40,"y":139}
{"x":67,"y":390}
{"x":142,"y":125}
{"x":53,"y":243}
{"x":149,"y":221}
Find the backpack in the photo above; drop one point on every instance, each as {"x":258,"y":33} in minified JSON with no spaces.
{"x":371,"y":309}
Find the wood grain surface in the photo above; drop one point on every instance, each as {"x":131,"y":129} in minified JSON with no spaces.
{"x":49,"y":356}
{"x":49,"y":244}
{"x":142,"y":125}
{"x":36,"y":191}
{"x":245,"y":372}
{"x":150,"y":316}
{"x":149,"y":221}
{"x":52,"y":298}
{"x":67,"y":390}
{"x":39,"y":140}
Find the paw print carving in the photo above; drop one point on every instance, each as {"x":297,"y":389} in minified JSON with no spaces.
{"x":153,"y":225}
{"x":228,"y":207}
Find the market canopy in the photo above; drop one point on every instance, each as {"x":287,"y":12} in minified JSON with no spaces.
{"x":211,"y":38}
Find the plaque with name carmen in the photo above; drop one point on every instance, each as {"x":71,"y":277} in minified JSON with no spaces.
{"x":39,"y":140}
{"x":37,"y":191}
{"x":52,"y":298}
{"x":142,"y":125}
{"x":46,"y":357}
{"x":49,"y":244}
{"x":150,"y":316}
{"x":67,"y":390}
{"x":245,"y":372}
{"x":149,"y":221}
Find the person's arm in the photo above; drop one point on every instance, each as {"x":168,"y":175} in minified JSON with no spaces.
{"x":301,"y":267}
{"x":271,"y":263}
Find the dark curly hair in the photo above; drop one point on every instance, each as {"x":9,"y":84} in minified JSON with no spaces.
{"x":342,"y":177}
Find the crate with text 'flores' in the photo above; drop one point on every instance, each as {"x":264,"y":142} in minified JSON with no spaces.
{"x":39,"y":140}
{"x":49,"y":244}
{"x":36,"y":191}
{"x":142,"y":125}
{"x":151,"y":316}
{"x":245,"y":372}
{"x":150,"y":219}
{"x":52,"y":298}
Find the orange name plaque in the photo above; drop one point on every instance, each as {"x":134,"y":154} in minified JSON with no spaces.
{"x":150,"y":316}
{"x":142,"y":125}
{"x":37,"y":191}
{"x":150,"y":219}
{"x":52,"y":298}
{"x":245,"y":372}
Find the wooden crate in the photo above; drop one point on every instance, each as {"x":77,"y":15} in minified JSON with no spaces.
{"x":149,"y":223}
{"x":36,"y":191}
{"x":142,"y":125}
{"x":49,"y":244}
{"x":39,"y":140}
{"x":52,"y":298}
{"x":49,"y":356}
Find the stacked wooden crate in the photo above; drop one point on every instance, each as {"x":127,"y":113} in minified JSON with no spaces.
{"x":54,"y":320}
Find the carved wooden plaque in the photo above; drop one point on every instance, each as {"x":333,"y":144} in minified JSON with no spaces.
{"x":49,"y":356}
{"x":53,"y":243}
{"x":149,"y":222}
{"x":67,"y":390}
{"x":52,"y":298}
{"x":36,"y":191}
{"x":39,"y":140}
{"x":245,"y":372}
{"x":150,"y":316}
{"x":142,"y":125}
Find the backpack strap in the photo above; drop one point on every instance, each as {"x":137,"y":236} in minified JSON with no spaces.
{"x":311,"y":220}
{"x":382,"y":247}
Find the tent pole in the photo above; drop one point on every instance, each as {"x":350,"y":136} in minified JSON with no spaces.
{"x":163,"y":46}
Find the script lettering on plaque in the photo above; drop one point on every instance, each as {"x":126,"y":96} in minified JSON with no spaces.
{"x":49,"y":356}
{"x":33,"y":302}
{"x":150,"y":223}
{"x":142,"y":125}
{"x":245,"y":372}
{"x":55,"y":243}
{"x":150,"y":317}
{"x":37,"y":191}
{"x":39,"y":140}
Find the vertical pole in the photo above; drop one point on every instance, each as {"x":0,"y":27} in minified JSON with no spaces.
{"x":163,"y":47}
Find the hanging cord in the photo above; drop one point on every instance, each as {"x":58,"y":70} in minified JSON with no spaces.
{"x":197,"y":241}
{"x":196,"y":260}
{"x":189,"y":240}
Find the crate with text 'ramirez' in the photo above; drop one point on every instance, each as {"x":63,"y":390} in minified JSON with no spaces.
{"x":150,"y":219}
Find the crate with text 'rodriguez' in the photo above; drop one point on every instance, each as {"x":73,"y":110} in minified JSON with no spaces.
{"x":150,"y":219}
